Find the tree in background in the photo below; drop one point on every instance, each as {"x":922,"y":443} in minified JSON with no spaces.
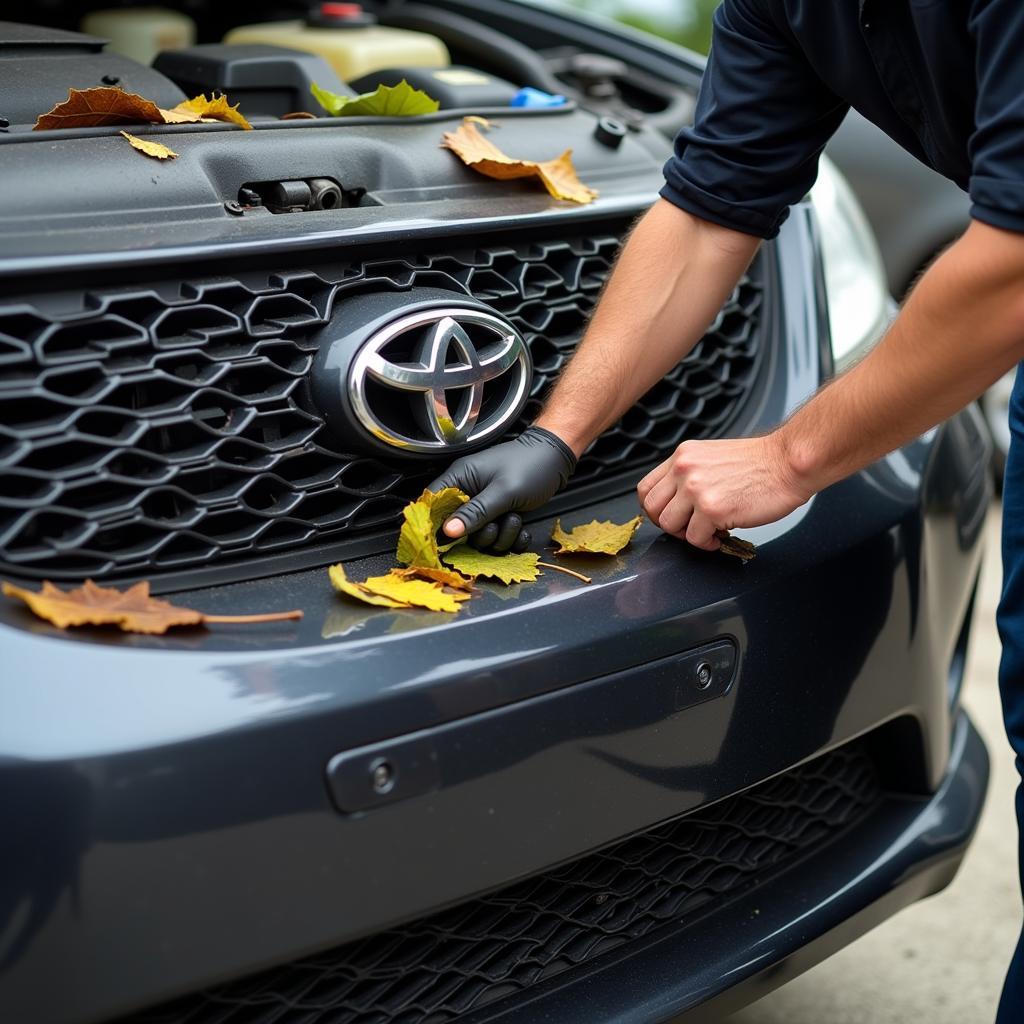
{"x":696,"y":34}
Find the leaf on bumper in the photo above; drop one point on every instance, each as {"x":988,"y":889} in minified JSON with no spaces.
{"x":134,"y":610}
{"x":595,"y":538}
{"x":558,"y":175}
{"x":417,"y":539}
{"x":506,"y":568}
{"x":392,"y":591}
{"x":446,"y":577}
{"x":153,"y":149}
{"x":400,"y":100}
{"x":736,"y":546}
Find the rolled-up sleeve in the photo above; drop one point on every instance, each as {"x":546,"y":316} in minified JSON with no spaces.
{"x":996,"y":147}
{"x":762,"y":120}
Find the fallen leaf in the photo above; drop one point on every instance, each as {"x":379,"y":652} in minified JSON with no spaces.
{"x":484,"y":122}
{"x":417,"y":539}
{"x":154,"y":149}
{"x":134,"y":610}
{"x":391,"y":591}
{"x":216,"y":108}
{"x":400,"y":100}
{"x":446,"y":577}
{"x":89,"y":108}
{"x":342,"y":583}
{"x":736,"y":546}
{"x":507,"y":568}
{"x":594,"y":538}
{"x":298,"y":115}
{"x":558,"y":175}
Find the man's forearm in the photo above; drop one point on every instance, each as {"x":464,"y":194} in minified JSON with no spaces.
{"x":960,"y":330}
{"x":673,"y":276}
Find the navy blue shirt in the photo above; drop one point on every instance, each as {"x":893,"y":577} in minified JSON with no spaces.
{"x":943,"y":78}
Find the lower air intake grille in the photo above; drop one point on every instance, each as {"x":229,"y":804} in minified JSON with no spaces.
{"x":440,"y":968}
{"x":153,"y":429}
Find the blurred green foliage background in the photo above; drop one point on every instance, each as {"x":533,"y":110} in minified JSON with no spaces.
{"x":683,"y":21}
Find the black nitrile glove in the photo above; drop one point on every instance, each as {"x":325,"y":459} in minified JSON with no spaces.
{"x":512,"y":477}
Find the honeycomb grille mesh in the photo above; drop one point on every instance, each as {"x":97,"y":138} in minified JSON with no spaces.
{"x":475,"y":955}
{"x":152,"y":429}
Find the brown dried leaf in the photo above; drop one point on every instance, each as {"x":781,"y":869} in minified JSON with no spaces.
{"x":214,"y":109}
{"x":89,"y":108}
{"x":134,"y":610}
{"x":153,"y":149}
{"x":558,"y":175}
{"x":594,"y":538}
{"x":736,"y":546}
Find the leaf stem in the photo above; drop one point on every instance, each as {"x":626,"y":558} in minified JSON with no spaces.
{"x":568,"y":572}
{"x":265,"y":617}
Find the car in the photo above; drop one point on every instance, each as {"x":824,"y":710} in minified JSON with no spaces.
{"x":654,"y":796}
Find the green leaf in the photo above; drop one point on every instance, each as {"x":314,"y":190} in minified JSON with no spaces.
{"x":400,"y":100}
{"x":507,"y":568}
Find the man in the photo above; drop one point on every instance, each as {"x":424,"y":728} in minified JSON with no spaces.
{"x":945,"y":79}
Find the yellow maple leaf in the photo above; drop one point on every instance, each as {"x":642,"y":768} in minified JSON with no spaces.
{"x":506,"y":568}
{"x":558,"y":175}
{"x":392,"y":591}
{"x":595,"y":538}
{"x":216,"y":108}
{"x":417,"y":540}
{"x":153,"y":149}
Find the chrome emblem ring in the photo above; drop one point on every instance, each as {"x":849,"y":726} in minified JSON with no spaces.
{"x":463,"y":372}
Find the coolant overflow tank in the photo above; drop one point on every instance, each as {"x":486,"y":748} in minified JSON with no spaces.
{"x":349,"y":40}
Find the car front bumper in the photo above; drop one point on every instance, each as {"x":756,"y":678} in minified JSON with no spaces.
{"x":168,"y":821}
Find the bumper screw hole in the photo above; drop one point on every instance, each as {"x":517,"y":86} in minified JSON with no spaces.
{"x":382,"y":775}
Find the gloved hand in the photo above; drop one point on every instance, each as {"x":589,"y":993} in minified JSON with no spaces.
{"x":512,"y":477}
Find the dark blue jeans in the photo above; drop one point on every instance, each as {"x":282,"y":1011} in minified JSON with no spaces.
{"x":1011,"y":668}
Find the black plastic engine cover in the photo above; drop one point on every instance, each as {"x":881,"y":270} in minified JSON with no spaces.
{"x":39,"y":65}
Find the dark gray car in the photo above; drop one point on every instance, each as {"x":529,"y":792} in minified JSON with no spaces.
{"x":652,"y":797}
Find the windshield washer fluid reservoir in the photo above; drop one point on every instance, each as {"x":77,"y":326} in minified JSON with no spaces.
{"x":349,"y":39}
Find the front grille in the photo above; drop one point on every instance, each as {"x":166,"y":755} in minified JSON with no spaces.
{"x":152,"y":429}
{"x":499,"y":947}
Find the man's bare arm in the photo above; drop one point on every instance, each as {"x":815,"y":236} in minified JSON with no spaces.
{"x":961,"y":328}
{"x":672,"y":278}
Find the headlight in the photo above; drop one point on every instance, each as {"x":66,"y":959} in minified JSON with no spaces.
{"x":859,"y":305}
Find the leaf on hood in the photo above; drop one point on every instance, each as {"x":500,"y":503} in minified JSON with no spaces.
{"x":417,"y":539}
{"x":506,"y":568}
{"x":134,"y":610}
{"x":392,"y":591}
{"x":89,"y":108}
{"x":153,"y":149}
{"x":400,"y":100}
{"x":736,"y":546}
{"x":594,"y":538}
{"x":558,"y":175}
{"x":216,"y":108}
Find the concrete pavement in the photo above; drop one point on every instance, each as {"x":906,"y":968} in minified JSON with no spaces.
{"x":941,"y":960}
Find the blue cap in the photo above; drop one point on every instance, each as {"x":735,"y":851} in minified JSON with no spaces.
{"x":530,"y":97}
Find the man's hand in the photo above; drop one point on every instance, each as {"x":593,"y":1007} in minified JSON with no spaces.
{"x":721,"y":485}
{"x":513,"y":477}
